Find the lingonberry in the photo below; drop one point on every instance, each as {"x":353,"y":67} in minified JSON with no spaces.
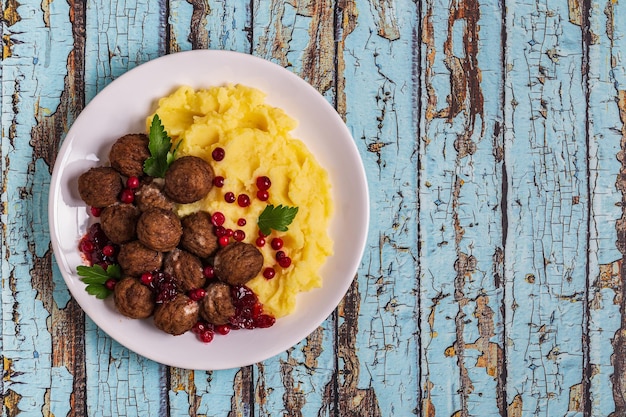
{"x":219,"y":231}
{"x":87,"y":246}
{"x":262,"y":195}
{"x":264,"y":321}
{"x":127,"y":196}
{"x":199,"y":327}
{"x":108,"y":250}
{"x":284,"y":262}
{"x":132,"y":182}
{"x":197,"y":294}
{"x":146,"y":278}
{"x":280,"y":254}
{"x":110,"y":283}
{"x":223,"y":241}
{"x":208,"y":272}
{"x":239,"y":235}
{"x":218,"y":218}
{"x":206,"y":336}
{"x":263,"y":183}
{"x":241,"y":222}
{"x":277,"y":243}
{"x":218,"y":154}
{"x":243,"y":200}
{"x":223,"y":329}
{"x":229,"y":197}
{"x":260,"y":242}
{"x":269,"y":273}
{"x":96,"y":211}
{"x":218,"y":181}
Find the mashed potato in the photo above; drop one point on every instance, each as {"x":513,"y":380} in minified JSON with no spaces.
{"x":257,"y":142}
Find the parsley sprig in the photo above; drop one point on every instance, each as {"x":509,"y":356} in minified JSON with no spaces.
{"x":160,"y":146}
{"x":277,"y":218}
{"x":95,"y":277}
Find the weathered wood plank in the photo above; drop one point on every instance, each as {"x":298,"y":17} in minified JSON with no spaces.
{"x":606,"y":131}
{"x":376,"y":92}
{"x":547,"y":207}
{"x":461,"y":257}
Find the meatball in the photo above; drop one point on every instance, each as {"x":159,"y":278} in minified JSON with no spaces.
{"x":128,"y":154}
{"x":185,"y":268}
{"x":188,"y":179}
{"x":159,"y":229}
{"x":135,"y":259}
{"x":100,"y":186}
{"x":177,"y":315}
{"x":151,"y":195}
{"x":238,"y":263}
{"x":119,"y":222}
{"x":217,"y":306}
{"x":198,"y":235}
{"x":133,"y":299}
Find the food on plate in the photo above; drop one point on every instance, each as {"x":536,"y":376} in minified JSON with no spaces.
{"x":185,"y":268}
{"x":218,"y":306}
{"x":100,"y":186}
{"x":133,"y":299}
{"x":257,"y":164}
{"x":159,"y":229}
{"x":237,"y":263}
{"x":134,"y":258}
{"x":209,"y":235}
{"x":128,"y":154}
{"x":119,"y":222}
{"x":177,"y":316}
{"x":188,"y":179}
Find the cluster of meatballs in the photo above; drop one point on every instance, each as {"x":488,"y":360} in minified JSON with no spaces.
{"x":154,"y":240}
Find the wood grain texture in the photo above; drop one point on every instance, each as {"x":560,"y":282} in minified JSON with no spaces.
{"x":493,"y":135}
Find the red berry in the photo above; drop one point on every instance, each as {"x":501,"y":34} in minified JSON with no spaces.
{"x":284,"y":262}
{"x":261,"y":234}
{"x":241,"y":222}
{"x":199,"y":327}
{"x":277,"y":243}
{"x":239,"y":235}
{"x":197,"y":294}
{"x":110,"y":283}
{"x":218,"y":218}
{"x":263,"y":183}
{"x":229,"y":197}
{"x":223,"y":329}
{"x":206,"y":336}
{"x":208,"y":272}
{"x":146,"y":278}
{"x":243,"y":200}
{"x":220,"y":231}
{"x":87,"y":246}
{"x":96,"y":211}
{"x":262,"y":195}
{"x":108,"y":250}
{"x":127,"y":196}
{"x":218,"y":154}
{"x":280,"y":255}
{"x":269,"y":273}
{"x":264,"y":321}
{"x":223,"y":241}
{"x":218,"y":181}
{"x":132,"y":182}
{"x":260,"y":242}
{"x":229,"y":232}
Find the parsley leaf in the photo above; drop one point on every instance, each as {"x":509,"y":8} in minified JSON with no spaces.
{"x":277,"y":218}
{"x":95,"y":277}
{"x":160,"y":147}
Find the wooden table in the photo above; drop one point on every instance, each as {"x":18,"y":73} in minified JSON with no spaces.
{"x":493,"y":135}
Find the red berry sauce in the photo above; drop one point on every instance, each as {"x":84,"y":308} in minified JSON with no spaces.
{"x":96,"y":247}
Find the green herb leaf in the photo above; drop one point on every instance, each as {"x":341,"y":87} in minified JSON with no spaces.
{"x":160,"y":146}
{"x":95,"y":277}
{"x":277,"y":218}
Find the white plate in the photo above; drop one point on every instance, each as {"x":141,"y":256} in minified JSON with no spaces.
{"x":122,"y":107}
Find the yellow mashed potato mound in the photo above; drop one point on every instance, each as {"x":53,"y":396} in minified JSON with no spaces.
{"x":256,"y":139}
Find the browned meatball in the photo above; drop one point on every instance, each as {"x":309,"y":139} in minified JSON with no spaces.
{"x":238,"y":263}
{"x":159,"y":229}
{"x":177,"y":316}
{"x":188,"y":179}
{"x":217,"y":306}
{"x":119,"y":222}
{"x":133,"y":299}
{"x":100,"y":186}
{"x":135,"y":259}
{"x":151,"y":196}
{"x":185,"y":268}
{"x":128,"y":154}
{"x":198,"y":236}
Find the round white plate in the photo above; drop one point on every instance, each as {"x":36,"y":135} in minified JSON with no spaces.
{"x":121,"y":108}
